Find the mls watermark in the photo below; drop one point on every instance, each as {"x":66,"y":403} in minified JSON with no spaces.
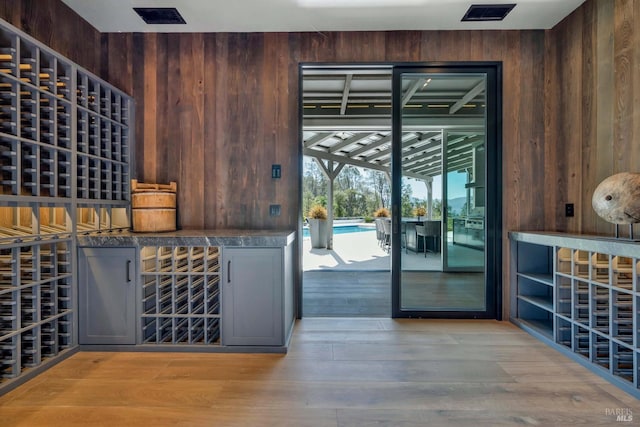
{"x":621,"y":414}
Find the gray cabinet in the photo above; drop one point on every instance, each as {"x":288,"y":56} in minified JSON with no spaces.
{"x":257,"y":296}
{"x":107,"y":293}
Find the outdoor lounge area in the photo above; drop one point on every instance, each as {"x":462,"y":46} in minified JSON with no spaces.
{"x":354,"y":277}
{"x":363,"y":251}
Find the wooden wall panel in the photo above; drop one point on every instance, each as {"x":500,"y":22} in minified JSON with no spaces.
{"x":603,"y":102}
{"x":57,"y":26}
{"x":212,"y":95}
{"x":403,"y":46}
{"x":623,"y":86}
{"x":141,"y":76}
{"x":244,"y":104}
{"x":214,"y":111}
{"x":569,"y":158}
{"x":589,"y":158}
{"x":218,"y":109}
{"x":551,"y":97}
{"x":592,"y":121}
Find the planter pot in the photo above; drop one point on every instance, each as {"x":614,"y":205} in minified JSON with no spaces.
{"x":318,"y":232}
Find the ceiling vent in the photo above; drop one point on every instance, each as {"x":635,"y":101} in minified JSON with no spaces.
{"x":160,"y":15}
{"x":487,"y":12}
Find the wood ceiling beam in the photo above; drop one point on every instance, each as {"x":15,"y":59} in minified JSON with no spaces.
{"x":345,"y":94}
{"x":454,"y":124}
{"x":370,"y":146}
{"x":412,"y":89}
{"x":468,"y":97}
{"x":342,"y":159}
{"x":318,"y":139}
{"x":349,"y":141}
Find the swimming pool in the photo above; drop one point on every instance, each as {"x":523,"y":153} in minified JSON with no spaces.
{"x":344,"y":229}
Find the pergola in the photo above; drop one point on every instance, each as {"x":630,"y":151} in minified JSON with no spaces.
{"x":347,"y":121}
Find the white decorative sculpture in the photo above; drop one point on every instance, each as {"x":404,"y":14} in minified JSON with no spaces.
{"x":617,"y":199}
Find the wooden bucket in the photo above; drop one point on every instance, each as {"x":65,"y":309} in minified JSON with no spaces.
{"x":153,"y":207}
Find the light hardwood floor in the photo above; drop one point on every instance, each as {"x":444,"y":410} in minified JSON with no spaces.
{"x":339,"y":372}
{"x":368,"y":293}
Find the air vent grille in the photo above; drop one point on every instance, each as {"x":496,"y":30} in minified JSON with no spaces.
{"x":488,"y":12}
{"x":160,"y":15}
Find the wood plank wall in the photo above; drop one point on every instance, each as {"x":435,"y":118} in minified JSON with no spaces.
{"x":592,"y":120}
{"x":57,"y":26}
{"x":214,"y":111}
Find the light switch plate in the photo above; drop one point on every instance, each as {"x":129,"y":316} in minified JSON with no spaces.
{"x":276,"y":171}
{"x":569,"y":209}
{"x":274,"y":210}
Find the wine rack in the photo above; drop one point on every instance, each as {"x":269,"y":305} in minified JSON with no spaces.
{"x":64,"y":132}
{"x":65,"y":144}
{"x":36,"y":320}
{"x":583,"y":296}
{"x":180,"y":295}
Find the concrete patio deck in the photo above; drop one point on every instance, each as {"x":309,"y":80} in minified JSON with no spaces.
{"x":361,"y":251}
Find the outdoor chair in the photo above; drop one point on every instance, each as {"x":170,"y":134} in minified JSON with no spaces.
{"x":420,"y":232}
{"x":403,"y":236}
{"x":432,"y":229}
{"x":386,"y":224}
{"x":379,"y":231}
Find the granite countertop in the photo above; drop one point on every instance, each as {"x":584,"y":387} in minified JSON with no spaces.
{"x":586,"y":242}
{"x":221,"y":237}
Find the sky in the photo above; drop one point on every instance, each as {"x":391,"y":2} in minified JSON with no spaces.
{"x":456,"y":187}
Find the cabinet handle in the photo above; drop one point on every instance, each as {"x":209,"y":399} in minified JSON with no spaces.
{"x":128,"y":270}
{"x":229,"y":271}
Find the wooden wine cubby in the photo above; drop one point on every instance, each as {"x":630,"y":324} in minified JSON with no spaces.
{"x":582,"y":295}
{"x":180,"y":294}
{"x":65,"y":144}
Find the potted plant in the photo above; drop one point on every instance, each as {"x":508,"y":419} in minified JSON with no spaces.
{"x":318,"y":226}
{"x":419,"y":211}
{"x":382,"y":213}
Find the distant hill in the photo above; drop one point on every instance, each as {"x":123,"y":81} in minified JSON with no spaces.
{"x":457,"y":204}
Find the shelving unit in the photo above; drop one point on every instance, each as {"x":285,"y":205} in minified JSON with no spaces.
{"x":36,"y":318}
{"x":581,"y":295}
{"x":180,"y":295}
{"x":65,"y":134}
{"x":65,"y":143}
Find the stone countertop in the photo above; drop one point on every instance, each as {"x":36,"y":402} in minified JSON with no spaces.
{"x":221,"y":237}
{"x":586,"y":242}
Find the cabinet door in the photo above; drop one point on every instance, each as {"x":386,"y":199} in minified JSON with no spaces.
{"x":252,"y":296}
{"x":106,"y":289}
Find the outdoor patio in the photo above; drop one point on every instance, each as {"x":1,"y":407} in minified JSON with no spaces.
{"x":354,"y":279}
{"x":361,"y":251}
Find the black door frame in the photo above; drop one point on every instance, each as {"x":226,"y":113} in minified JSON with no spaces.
{"x":493,"y":223}
{"x":493,"y":209}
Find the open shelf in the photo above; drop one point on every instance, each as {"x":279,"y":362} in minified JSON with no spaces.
{"x":588,"y":307}
{"x":180,"y":295}
{"x":59,"y":154}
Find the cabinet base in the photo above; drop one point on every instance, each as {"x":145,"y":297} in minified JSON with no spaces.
{"x":186,"y":348}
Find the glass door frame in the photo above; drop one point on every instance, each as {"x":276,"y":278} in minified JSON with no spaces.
{"x":493,"y":198}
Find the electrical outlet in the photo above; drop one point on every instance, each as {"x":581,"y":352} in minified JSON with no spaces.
{"x":274,"y":210}
{"x":568,"y":209}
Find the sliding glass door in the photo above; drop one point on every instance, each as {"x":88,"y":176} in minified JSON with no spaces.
{"x":446,"y":191}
